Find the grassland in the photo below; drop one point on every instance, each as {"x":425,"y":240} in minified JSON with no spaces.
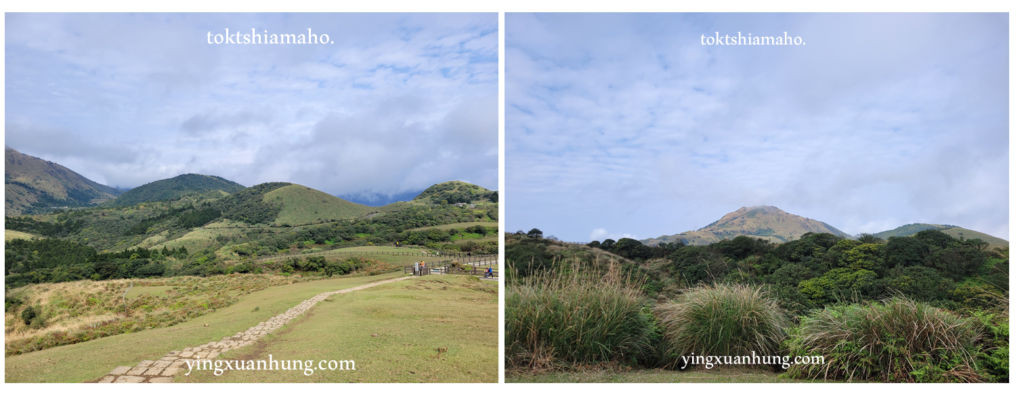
{"x":967,"y":234}
{"x":401,"y":256}
{"x":430,"y":329}
{"x":716,"y":375}
{"x":308,"y":206}
{"x":92,"y":359}
{"x":11,"y":235}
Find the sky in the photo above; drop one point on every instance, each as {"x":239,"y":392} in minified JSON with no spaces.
{"x":625,"y":125}
{"x":391,"y":105}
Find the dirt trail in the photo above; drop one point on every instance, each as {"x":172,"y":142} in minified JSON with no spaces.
{"x":164,"y":369}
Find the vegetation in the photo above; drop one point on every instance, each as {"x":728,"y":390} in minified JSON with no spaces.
{"x":175,"y":188}
{"x":896,"y":340}
{"x":861,"y":303}
{"x":454,"y":192}
{"x":34,"y":185}
{"x":570,"y":316}
{"x":724,"y":320}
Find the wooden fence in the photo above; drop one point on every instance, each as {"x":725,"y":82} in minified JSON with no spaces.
{"x":474,"y":265}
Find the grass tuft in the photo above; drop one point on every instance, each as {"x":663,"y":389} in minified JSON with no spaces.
{"x":724,"y":320}
{"x":898,"y":340}
{"x":572,"y":315}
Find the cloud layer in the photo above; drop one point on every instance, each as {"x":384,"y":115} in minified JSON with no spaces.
{"x":396,"y":103}
{"x":625,"y":122}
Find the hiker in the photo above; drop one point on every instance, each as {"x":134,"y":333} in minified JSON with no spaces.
{"x":490,"y":273}
{"x":423,"y":265}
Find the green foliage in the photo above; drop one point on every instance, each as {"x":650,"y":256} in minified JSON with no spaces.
{"x":896,"y":340}
{"x":577,"y":316}
{"x":174,"y":188}
{"x":247,"y":205}
{"x":841,"y":285}
{"x":724,"y":320}
{"x":957,"y":262}
{"x":28,"y":314}
{"x":453,"y":192}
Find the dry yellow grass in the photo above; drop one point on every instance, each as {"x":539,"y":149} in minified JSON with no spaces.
{"x":11,"y":235}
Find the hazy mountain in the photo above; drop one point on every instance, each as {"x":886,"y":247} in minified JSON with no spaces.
{"x":766,"y":222}
{"x":36,"y":185}
{"x":174,"y":188}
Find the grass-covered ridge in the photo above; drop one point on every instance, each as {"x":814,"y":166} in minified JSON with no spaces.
{"x":303,"y":205}
{"x":174,"y":188}
{"x":453,"y":192}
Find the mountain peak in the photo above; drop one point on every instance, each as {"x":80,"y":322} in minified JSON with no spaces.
{"x":765,"y":222}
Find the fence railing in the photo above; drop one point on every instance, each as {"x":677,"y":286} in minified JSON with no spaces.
{"x":475,"y":265}
{"x":441,"y":254}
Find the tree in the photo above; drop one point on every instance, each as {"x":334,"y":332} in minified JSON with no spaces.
{"x":535,"y":233}
{"x":869,"y":238}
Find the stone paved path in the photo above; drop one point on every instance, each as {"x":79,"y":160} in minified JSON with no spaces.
{"x":164,"y":369}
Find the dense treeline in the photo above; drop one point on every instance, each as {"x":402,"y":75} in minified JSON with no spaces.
{"x":820,"y":268}
{"x":248,"y":206}
{"x":55,"y":229}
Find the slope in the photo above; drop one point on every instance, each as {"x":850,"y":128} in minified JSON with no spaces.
{"x":175,"y":188}
{"x":951,"y":230}
{"x":453,"y":192}
{"x":303,"y":205}
{"x":33,"y":185}
{"x":767,"y":222}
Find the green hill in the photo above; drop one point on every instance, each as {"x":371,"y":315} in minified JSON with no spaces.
{"x":175,"y":188}
{"x":951,"y":230}
{"x":33,"y":185}
{"x":453,"y":192}
{"x":766,"y":222}
{"x":303,"y":205}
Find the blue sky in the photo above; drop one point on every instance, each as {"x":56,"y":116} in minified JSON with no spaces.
{"x":396,"y":103}
{"x":625,"y":125}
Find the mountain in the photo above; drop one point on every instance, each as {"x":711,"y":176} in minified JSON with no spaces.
{"x":951,"y":230}
{"x":452,"y":192}
{"x":766,"y":222}
{"x":304,"y":205}
{"x":34,"y":185}
{"x":175,"y":188}
{"x":377,"y":199}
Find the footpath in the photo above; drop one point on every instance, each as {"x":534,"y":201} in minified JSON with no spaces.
{"x":164,"y":369}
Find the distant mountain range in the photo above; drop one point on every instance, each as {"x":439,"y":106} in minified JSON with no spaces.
{"x":775,"y":225}
{"x":766,"y":222}
{"x":33,"y":185}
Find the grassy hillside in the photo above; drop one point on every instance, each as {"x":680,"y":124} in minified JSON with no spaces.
{"x":767,"y":222}
{"x":304,"y":205}
{"x":89,"y":360}
{"x":11,"y":235}
{"x":33,"y":185}
{"x":951,"y":230}
{"x":390,"y":334}
{"x":967,"y":234}
{"x":174,"y":188}
{"x":453,"y":192}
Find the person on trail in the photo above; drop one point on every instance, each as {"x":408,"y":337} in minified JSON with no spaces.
{"x":490,"y":273}
{"x":423,"y":265}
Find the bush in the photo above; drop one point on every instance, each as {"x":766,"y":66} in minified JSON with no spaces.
{"x":723,"y":320}
{"x":557,"y":319}
{"x":897,"y":340}
{"x":28,"y":314}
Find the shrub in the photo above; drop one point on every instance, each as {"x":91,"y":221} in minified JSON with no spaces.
{"x":28,"y":314}
{"x":723,"y":320}
{"x":897,"y":340}
{"x":576,"y":316}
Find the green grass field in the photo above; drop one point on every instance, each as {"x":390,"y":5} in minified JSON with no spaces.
{"x":93,"y":359}
{"x":393,"y":332}
{"x":716,"y":375}
{"x":401,"y":256}
{"x":11,"y":235}
{"x":969,"y":234}
{"x":304,"y":205}
{"x":461,"y":225}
